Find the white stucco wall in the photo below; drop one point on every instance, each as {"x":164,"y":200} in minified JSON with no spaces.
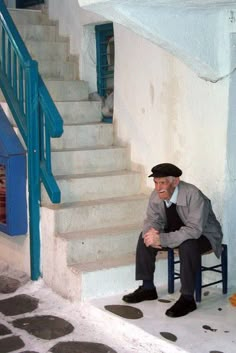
{"x":15,"y":251}
{"x":166,"y":113}
{"x":78,"y":25}
{"x":10,"y":3}
{"x":230,"y":181}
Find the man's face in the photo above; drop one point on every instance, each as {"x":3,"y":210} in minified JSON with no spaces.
{"x":165,"y":186}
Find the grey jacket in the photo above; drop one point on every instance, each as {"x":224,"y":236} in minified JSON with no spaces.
{"x":195,"y":211}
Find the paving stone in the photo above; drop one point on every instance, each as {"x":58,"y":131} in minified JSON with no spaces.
{"x":10,"y":344}
{"x":81,"y":347}
{"x":8,"y":284}
{"x":164,"y":300}
{"x":19,"y":304}
{"x":207,"y":327}
{"x":126,"y":311}
{"x":46,"y":326}
{"x":169,"y":336}
{"x":4,"y":330}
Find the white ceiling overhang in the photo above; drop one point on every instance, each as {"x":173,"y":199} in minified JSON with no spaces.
{"x":198,"y":32}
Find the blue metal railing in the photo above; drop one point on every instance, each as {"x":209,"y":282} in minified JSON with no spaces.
{"x":36,"y":117}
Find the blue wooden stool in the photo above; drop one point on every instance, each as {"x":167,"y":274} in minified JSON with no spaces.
{"x":221,"y":268}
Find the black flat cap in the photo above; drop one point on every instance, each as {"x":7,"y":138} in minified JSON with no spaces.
{"x":165,"y":170}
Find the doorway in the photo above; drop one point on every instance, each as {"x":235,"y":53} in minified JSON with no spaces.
{"x":105,"y":52}
{"x":21,"y":4}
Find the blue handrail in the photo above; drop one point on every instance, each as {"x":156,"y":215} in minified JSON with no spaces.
{"x":37,"y":119}
{"x":51,"y":125}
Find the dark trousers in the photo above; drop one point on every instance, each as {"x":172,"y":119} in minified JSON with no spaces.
{"x":190,"y":258}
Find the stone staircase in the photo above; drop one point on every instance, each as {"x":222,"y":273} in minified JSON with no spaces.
{"x":89,"y":240}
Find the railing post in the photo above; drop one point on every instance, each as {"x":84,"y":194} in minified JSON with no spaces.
{"x":33,"y":166}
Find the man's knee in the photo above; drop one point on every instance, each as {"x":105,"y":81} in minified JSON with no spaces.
{"x":189,"y":247}
{"x":143,"y":249}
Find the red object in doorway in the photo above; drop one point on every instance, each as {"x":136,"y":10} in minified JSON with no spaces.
{"x":2,"y":195}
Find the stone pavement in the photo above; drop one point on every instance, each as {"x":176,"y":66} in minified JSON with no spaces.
{"x":45,"y":327}
{"x":33,"y":319}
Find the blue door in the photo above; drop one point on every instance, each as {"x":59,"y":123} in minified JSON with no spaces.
{"x":20,"y":4}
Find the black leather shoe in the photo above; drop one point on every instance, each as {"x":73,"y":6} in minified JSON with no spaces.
{"x":181,"y":307}
{"x":140,"y":294}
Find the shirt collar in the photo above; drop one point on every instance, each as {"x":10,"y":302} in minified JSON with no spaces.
{"x":173,"y":198}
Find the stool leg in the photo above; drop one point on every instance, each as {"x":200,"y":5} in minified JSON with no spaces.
{"x":198,"y":292}
{"x":171,"y":285}
{"x":224,"y":264}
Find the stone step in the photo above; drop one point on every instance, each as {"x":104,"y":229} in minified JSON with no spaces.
{"x":38,"y":32}
{"x":34,"y":17}
{"x":48,"y":50}
{"x":100,"y":244}
{"x":103,"y":278}
{"x":57,"y":69}
{"x":81,"y":136}
{"x":67,"y":90}
{"x":95,"y":186}
{"x":85,"y":215}
{"x":90,"y":160}
{"x":80,"y":112}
